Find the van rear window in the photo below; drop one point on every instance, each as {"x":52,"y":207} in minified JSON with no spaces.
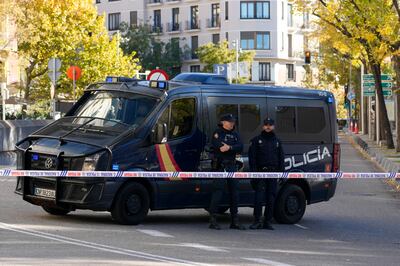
{"x":311,"y":119}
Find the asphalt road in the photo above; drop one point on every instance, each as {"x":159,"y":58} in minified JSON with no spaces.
{"x":359,"y":226}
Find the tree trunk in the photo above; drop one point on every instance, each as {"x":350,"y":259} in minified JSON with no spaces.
{"x":376,"y":70}
{"x":396,"y":64}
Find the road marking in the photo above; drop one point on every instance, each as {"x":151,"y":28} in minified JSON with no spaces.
{"x":154,"y":233}
{"x":195,"y":245}
{"x":8,"y":180}
{"x":300,"y":226}
{"x":111,"y":249}
{"x":267,"y":262}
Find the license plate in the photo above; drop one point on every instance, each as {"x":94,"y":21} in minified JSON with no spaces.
{"x":47,"y":193}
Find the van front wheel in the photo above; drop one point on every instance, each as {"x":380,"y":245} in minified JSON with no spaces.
{"x":131,"y":204}
{"x":290,"y":205}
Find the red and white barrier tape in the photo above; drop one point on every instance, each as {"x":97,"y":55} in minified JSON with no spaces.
{"x":188,"y":175}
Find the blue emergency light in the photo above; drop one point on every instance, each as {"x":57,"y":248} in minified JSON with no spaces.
{"x":35,"y":157}
{"x":111,"y":79}
{"x":330,"y":99}
{"x":156,"y":84}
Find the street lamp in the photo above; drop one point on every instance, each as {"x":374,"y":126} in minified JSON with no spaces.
{"x":235,"y":44}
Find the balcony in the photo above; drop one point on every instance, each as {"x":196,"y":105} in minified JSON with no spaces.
{"x":172,"y":1}
{"x":214,"y":23}
{"x":174,"y":28}
{"x":193,"y":25}
{"x":155,"y":2}
{"x":158,"y":29}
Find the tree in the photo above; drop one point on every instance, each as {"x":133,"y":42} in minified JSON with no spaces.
{"x":372,"y":28}
{"x":210,"y":54}
{"x":71,"y":31}
{"x":151,"y":52}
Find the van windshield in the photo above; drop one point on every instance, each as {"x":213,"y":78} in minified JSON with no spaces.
{"x":123,"y":108}
{"x":103,"y":116}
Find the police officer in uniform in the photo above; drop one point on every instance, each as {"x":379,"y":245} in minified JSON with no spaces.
{"x":226,"y":145}
{"x":265,"y":155}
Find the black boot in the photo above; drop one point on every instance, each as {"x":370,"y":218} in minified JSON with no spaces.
{"x":235,"y":223}
{"x":257,"y":224}
{"x":213,"y":223}
{"x":267,"y":225}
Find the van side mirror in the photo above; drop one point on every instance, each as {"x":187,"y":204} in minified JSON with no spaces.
{"x":160,"y":133}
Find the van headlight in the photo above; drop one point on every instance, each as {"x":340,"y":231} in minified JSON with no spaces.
{"x":90,"y":162}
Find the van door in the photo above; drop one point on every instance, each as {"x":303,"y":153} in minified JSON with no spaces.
{"x":304,"y":127}
{"x":179,"y":151}
{"x":249,"y":111}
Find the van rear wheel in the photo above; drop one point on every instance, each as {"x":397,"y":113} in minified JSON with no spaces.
{"x":55,"y":210}
{"x":131,"y":204}
{"x":290,"y":205}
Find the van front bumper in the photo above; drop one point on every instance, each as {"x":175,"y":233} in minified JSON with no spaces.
{"x":94,"y":194}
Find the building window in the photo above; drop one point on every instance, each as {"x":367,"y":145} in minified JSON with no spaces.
{"x":98,"y":1}
{"x":226,"y":10}
{"x":290,"y":15}
{"x":290,"y":45}
{"x":227,"y":36}
{"x":195,"y":45}
{"x":175,"y":19}
{"x":215,"y":22}
{"x":157,"y":21}
{"x":195,"y":68}
{"x":250,"y":40}
{"x":290,"y":71}
{"x":306,"y":20}
{"x":194,"y":17}
{"x":114,"y":21}
{"x":283,"y":10}
{"x":215,"y":38}
{"x":254,"y":10}
{"x":264,"y":71}
{"x":133,"y":17}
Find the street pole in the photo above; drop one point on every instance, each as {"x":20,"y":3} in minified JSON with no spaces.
{"x":237,"y":60}
{"x":53,"y":90}
{"x":363,"y":126}
{"x":3,"y":100}
{"x":73,"y":83}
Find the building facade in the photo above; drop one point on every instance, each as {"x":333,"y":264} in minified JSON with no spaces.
{"x":271,"y":28}
{"x":9,"y":68}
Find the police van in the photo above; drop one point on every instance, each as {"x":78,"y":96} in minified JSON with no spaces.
{"x":129,"y":125}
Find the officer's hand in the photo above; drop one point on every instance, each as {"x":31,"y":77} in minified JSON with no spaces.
{"x":225,"y":147}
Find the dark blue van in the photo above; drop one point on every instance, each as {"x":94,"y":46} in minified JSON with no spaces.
{"x":144,"y":126}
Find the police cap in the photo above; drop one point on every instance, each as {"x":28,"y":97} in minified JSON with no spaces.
{"x":269,"y":121}
{"x":228,"y":117}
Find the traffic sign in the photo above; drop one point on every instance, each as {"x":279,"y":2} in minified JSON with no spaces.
{"x":54,"y":66}
{"x":385,"y":84}
{"x":370,"y":93}
{"x":74,"y":72}
{"x":351,"y":95}
{"x":370,"y":77}
{"x":158,"y":74}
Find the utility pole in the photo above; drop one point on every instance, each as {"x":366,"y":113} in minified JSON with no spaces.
{"x":235,"y":43}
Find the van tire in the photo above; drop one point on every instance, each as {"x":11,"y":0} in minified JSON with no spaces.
{"x":131,"y":204}
{"x":290,"y":205}
{"x":55,"y":210}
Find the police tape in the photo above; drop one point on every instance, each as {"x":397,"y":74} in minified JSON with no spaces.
{"x":188,"y":175}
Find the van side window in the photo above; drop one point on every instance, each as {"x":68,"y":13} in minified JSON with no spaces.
{"x":180,"y":117}
{"x":286,"y":119}
{"x":311,"y":119}
{"x":248,"y":116}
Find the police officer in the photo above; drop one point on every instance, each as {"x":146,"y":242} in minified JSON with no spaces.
{"x":265,"y":155}
{"x":226,"y":145}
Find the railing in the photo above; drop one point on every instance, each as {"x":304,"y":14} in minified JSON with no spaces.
{"x":154,"y":1}
{"x":174,"y":27}
{"x":156,"y":29}
{"x":214,"y":23}
{"x":192,"y":24}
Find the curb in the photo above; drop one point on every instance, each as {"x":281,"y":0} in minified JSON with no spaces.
{"x":380,"y":160}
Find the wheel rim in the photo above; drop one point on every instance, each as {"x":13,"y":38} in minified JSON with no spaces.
{"x":133,"y":204}
{"x":292,"y":205}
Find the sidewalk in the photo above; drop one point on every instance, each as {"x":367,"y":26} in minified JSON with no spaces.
{"x":387,"y":159}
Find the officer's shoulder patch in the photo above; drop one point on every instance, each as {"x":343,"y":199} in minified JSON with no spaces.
{"x":216,"y":135}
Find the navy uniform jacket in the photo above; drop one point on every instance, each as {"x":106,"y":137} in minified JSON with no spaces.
{"x":266,"y":151}
{"x":230,"y":138}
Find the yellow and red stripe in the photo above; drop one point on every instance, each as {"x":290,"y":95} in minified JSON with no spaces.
{"x":167,"y":160}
